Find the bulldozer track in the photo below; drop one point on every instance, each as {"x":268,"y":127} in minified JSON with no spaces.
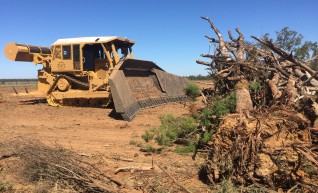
{"x":83,"y":84}
{"x":51,"y":99}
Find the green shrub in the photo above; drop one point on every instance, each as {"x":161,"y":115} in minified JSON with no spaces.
{"x":220,"y":108}
{"x":171,"y":129}
{"x":182,"y":130}
{"x":211,"y":114}
{"x":133,"y":142}
{"x":224,"y":106}
{"x":192,"y":90}
{"x":150,"y":149}
{"x":186,"y":125}
{"x":206,"y":137}
{"x":168,"y":121}
{"x":149,"y":134}
{"x":255,"y":86}
{"x":206,"y":117}
{"x":185,"y":149}
{"x":163,"y":139}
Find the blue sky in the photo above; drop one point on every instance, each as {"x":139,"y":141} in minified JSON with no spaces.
{"x":170,"y":33}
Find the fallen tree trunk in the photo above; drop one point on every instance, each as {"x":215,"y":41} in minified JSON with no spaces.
{"x":273,"y":84}
{"x":243,"y":97}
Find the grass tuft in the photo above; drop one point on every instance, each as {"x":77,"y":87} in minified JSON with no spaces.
{"x":149,"y":134}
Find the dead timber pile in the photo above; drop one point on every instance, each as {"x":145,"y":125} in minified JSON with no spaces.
{"x":271,"y":139}
{"x":53,"y":169}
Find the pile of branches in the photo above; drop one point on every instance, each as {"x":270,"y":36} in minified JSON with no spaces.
{"x":57,"y":166}
{"x":283,"y":78}
{"x":275,"y":100}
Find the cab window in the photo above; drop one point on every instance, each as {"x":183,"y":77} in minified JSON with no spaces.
{"x":66,"y":52}
{"x":57,"y":52}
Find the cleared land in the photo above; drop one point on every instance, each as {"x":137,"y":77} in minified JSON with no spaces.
{"x":97,"y":134}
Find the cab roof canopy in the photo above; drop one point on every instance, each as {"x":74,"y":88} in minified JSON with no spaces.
{"x":92,"y":40}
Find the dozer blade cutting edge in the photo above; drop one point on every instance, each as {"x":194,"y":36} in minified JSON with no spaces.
{"x":137,"y":84}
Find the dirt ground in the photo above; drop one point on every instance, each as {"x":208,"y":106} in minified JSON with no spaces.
{"x":96,"y":132}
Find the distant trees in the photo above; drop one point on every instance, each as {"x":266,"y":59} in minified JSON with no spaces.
{"x":292,"y":41}
{"x":199,"y":77}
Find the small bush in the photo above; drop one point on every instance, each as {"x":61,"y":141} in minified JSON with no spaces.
{"x":149,"y":134}
{"x":133,"y":142}
{"x":224,"y":106}
{"x":168,"y":120}
{"x":185,"y":149}
{"x":150,"y":149}
{"x":205,"y":117}
{"x":210,"y":115}
{"x":183,"y":131}
{"x":192,"y":90}
{"x":206,"y":137}
{"x":171,"y":129}
{"x":166,"y":138}
{"x":255,"y":86}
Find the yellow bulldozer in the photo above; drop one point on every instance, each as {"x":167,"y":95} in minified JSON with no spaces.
{"x":95,"y":71}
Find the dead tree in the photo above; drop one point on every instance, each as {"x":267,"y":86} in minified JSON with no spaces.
{"x":236,"y":63}
{"x":229,"y":61}
{"x":251,"y":148}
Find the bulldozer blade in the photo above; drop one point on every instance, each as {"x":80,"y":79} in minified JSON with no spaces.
{"x":137,"y":84}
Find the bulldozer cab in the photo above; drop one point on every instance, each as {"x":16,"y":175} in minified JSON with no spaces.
{"x":88,"y":54}
{"x":92,"y":54}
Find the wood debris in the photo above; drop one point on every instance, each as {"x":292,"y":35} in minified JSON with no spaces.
{"x":271,"y":140}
